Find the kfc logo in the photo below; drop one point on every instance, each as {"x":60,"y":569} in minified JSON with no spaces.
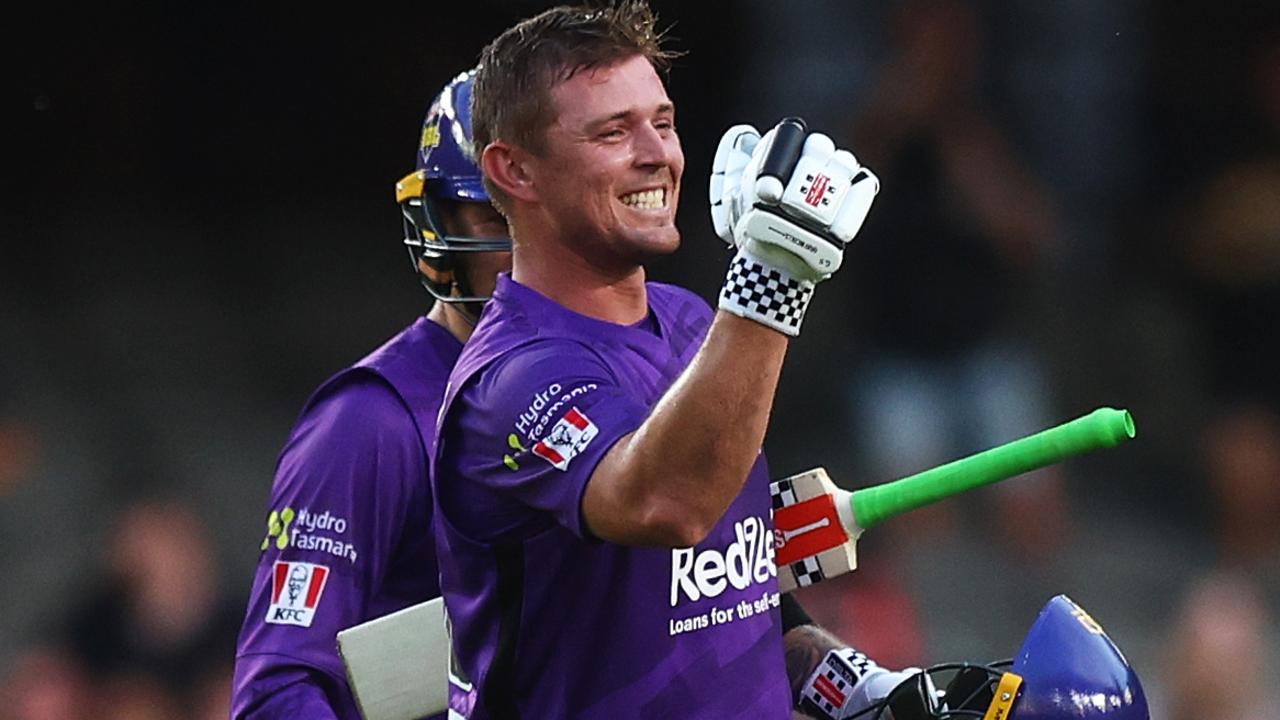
{"x":568,"y":437}
{"x":295,"y":592}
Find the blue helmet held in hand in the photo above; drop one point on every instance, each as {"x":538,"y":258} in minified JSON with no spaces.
{"x":1067,"y":669}
{"x":446,"y":172}
{"x":1070,"y":668}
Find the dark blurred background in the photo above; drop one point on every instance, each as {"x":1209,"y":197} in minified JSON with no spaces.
{"x":1080,"y":207}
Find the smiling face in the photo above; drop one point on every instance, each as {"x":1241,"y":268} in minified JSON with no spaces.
{"x":608,"y":175}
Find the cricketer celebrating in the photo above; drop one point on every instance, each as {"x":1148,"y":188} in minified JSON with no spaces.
{"x":349,"y":531}
{"x":603,"y":512}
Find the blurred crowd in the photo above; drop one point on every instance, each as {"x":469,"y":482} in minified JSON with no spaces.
{"x":149,"y":634}
{"x":1081,"y":207}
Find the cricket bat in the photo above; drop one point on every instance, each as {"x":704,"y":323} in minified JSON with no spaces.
{"x":398,"y":664}
{"x":818,"y":524}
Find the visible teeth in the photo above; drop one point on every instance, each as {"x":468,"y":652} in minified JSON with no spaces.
{"x":647,"y":200}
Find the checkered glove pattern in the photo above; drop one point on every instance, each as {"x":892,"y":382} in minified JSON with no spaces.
{"x":765,"y":294}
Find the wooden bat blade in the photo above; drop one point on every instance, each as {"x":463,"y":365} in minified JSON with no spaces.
{"x":398,"y":664}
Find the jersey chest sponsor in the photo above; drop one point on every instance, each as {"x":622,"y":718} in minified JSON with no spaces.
{"x":708,"y":573}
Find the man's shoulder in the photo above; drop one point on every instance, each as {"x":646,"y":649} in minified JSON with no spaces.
{"x":354,"y":430}
{"x":515,"y":342}
{"x":383,"y":393}
{"x":424,"y":350}
{"x":528,"y":363}
{"x":682,"y":311}
{"x":354,"y":403}
{"x":667,"y":294}
{"x":409,"y":369}
{"x":677,"y":301}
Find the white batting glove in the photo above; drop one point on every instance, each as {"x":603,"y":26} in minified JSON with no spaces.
{"x":846,"y":683}
{"x":789,"y":202}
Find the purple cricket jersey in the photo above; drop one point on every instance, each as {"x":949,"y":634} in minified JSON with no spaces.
{"x":548,"y":621}
{"x":348,"y":534}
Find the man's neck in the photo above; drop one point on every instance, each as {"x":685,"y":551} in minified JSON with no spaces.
{"x":451,"y":318}
{"x":573,"y":282}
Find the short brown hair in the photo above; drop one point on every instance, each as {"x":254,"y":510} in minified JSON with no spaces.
{"x":512,"y":95}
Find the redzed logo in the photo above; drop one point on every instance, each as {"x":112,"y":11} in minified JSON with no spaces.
{"x":817,"y":190}
{"x":748,"y":560}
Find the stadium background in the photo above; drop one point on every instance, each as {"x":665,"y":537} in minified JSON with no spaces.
{"x":198,"y":227}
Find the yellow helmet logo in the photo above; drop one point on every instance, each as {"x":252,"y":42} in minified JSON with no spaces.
{"x":430,"y":136}
{"x":1086,"y":620}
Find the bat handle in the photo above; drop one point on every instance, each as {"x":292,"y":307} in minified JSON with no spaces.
{"x":1104,"y":427}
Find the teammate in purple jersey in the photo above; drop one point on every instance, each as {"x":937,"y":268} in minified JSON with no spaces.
{"x":603,"y":522}
{"x":348,"y":534}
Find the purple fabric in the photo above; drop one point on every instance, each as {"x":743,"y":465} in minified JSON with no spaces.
{"x":548,"y":621}
{"x":354,"y":476}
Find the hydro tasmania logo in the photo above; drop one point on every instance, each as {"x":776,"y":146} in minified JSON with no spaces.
{"x":295,"y":592}
{"x":307,"y":530}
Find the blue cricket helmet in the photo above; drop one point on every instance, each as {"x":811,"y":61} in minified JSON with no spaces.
{"x":1070,"y":668}
{"x":445,"y":172}
{"x":445,"y":152}
{"x":1066,"y":669}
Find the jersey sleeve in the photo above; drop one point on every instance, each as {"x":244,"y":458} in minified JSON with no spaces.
{"x":521,"y":440}
{"x":338,"y":505}
{"x":270,"y":687}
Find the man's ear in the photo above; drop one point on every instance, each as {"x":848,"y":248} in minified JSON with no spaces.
{"x":505,"y":166}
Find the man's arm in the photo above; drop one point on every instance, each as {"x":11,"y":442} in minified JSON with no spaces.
{"x":355,"y":435}
{"x":268,"y":687}
{"x":805,"y":647}
{"x":789,"y":202}
{"x":670,"y":481}
{"x":818,"y":660}
{"x":830,"y":680}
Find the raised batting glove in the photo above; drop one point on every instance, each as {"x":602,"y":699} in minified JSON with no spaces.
{"x":789,"y":202}
{"x":847,"y":683}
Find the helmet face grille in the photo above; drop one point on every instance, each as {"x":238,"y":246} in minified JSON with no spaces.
{"x":943,"y":692}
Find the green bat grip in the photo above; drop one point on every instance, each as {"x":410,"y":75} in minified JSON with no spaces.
{"x":1104,"y":427}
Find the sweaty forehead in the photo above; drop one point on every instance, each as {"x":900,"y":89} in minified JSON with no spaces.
{"x":627,"y":86}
